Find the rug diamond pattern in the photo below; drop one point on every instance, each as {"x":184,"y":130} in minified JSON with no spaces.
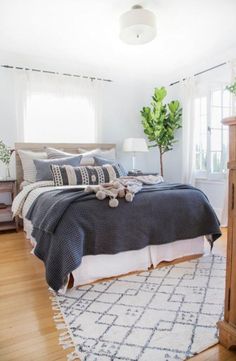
{"x":167,"y":314}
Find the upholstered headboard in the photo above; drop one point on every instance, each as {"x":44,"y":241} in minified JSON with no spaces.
{"x":67,"y":147}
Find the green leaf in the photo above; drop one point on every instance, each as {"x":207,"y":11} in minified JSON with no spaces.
{"x":232,"y":88}
{"x":5,"y":153}
{"x":159,"y":94}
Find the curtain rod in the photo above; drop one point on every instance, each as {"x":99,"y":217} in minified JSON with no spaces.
{"x":201,"y":72}
{"x":55,"y":73}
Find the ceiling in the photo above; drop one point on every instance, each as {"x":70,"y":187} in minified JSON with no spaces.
{"x":83,"y":36}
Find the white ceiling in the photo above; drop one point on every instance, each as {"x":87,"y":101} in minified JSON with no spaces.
{"x":83,"y":35}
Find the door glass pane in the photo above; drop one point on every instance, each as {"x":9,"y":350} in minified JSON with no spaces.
{"x":197,"y":110}
{"x":216,"y":140}
{"x":200,"y":161}
{"x":226,"y":112}
{"x":203,"y":141}
{"x":225,"y":138}
{"x":226,"y":98}
{"x":216,"y":117}
{"x":215,"y":162}
{"x":203,"y":123}
{"x":197,"y":161}
{"x":216,"y":97}
{"x":203,"y":105}
{"x":203,"y":160}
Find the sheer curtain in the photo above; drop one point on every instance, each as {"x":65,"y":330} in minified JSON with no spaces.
{"x":56,"y":108}
{"x":188,"y":92}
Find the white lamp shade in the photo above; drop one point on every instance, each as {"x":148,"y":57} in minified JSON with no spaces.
{"x":137,"y":26}
{"x":135,"y":145}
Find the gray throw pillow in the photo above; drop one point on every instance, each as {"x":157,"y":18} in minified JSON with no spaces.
{"x":43,"y":166}
{"x":99,"y":161}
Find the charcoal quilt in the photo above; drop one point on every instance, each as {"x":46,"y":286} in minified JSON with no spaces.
{"x":69,"y":224}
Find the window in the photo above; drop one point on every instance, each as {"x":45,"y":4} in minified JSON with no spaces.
{"x":211,"y":136}
{"x":51,"y":118}
{"x":56,"y":108}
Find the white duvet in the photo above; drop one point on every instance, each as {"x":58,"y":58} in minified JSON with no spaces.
{"x":29,"y":194}
{"x":24,"y":195}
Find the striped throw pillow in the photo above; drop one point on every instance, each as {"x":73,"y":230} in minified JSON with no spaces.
{"x":68,"y":175}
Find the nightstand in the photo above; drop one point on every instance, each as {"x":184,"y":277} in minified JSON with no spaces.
{"x":132,"y":173}
{"x":7,"y":194}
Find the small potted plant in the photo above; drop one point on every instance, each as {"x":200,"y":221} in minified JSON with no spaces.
{"x":5,"y":157}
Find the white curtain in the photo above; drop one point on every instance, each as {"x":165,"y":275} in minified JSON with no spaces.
{"x":224,"y":216}
{"x":188,"y":92}
{"x":20,"y":102}
{"x":56,"y":108}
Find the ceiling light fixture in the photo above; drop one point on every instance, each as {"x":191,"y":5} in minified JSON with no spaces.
{"x":137,"y":26}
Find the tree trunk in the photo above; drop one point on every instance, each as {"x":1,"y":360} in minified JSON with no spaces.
{"x":161,"y":161}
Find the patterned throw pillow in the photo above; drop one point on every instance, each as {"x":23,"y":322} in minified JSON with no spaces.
{"x":102,"y":161}
{"x":68,"y":175}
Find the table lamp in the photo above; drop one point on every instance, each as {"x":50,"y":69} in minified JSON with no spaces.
{"x":135,"y":145}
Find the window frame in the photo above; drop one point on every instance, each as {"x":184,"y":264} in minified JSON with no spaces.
{"x":207,"y":174}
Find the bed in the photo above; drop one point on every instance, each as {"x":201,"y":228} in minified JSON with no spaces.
{"x":93,"y":265}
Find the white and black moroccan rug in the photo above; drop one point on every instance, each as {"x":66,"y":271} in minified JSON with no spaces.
{"x":167,"y":314}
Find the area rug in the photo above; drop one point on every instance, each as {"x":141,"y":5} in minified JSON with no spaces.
{"x":166,"y":314}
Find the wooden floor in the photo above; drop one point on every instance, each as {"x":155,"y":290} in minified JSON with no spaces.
{"x":27,"y":331}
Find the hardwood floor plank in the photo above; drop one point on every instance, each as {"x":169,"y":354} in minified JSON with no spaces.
{"x":27,"y":331}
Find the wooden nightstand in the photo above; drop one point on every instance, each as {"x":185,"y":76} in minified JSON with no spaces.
{"x":7,"y":187}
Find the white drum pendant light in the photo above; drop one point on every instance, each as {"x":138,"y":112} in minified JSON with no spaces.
{"x":137,"y":26}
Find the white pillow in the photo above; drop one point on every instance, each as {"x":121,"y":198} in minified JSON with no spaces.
{"x":88,"y":156}
{"x":53,"y":153}
{"x":27,"y":160}
{"x":107,"y":154}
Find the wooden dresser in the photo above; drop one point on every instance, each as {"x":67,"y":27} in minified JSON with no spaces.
{"x":227,"y":328}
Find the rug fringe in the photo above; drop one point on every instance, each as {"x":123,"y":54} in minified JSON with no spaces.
{"x":73,"y":356}
{"x":65,"y":338}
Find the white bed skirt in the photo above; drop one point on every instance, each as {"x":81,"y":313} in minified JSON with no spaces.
{"x":93,"y":268}
{"x":97,"y":267}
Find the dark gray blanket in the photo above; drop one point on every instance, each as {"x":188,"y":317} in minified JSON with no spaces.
{"x":68,"y":224}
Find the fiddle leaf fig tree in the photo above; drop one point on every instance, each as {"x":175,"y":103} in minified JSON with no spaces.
{"x":160,"y":121}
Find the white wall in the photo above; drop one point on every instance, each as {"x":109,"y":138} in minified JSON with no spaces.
{"x":120,"y":119}
{"x":8,"y":127}
{"x":122,"y":103}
